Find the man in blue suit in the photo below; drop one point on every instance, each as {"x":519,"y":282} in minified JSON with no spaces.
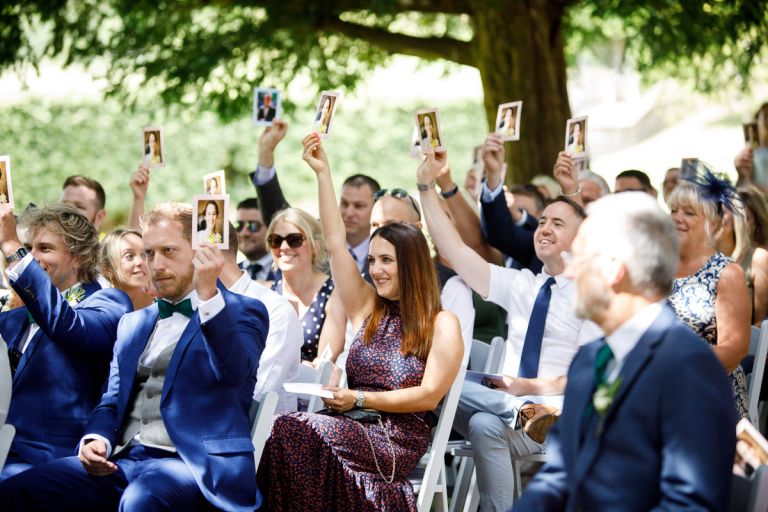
{"x":60,"y":342}
{"x":172,"y":431}
{"x":649,"y":419}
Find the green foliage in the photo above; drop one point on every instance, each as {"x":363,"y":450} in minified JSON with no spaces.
{"x":50,"y":142}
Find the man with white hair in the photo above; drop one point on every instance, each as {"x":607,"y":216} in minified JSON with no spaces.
{"x":648,"y":419}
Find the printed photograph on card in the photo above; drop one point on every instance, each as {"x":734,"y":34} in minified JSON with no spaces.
{"x":428,"y":126}
{"x":751,"y":449}
{"x":750,"y":135}
{"x":326,"y":108}
{"x":576,"y":137}
{"x":153,"y":146}
{"x":266,"y":106}
{"x":508,"y":120}
{"x":6,"y":190}
{"x":214,"y":184}
{"x":209,"y":220}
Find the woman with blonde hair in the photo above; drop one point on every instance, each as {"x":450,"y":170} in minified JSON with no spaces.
{"x":301,"y":259}
{"x":122,"y":263}
{"x":709,"y":292}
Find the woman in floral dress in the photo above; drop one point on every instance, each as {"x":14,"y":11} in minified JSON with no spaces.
{"x":710,"y":292}
{"x":404,"y":358}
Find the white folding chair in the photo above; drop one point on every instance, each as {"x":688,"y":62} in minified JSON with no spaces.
{"x":6,"y":382}
{"x":465,"y":496}
{"x":7,"y":432}
{"x":319,"y":375}
{"x":478,"y":356}
{"x":758,"y":347}
{"x":431,"y":480}
{"x":750,"y":494}
{"x":262,"y":424}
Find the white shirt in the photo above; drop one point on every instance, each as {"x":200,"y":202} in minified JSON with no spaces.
{"x":360,"y":253}
{"x":167,"y":331}
{"x":624,"y":339}
{"x":456,"y":297}
{"x":281,"y":357}
{"x":516,"y":291}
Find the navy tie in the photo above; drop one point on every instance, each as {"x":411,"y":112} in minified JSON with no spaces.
{"x":254,"y":269}
{"x":529,"y":360}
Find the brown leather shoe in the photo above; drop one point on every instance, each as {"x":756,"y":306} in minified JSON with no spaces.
{"x":537,"y":419}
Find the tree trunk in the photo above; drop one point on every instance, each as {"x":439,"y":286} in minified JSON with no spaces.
{"x":518,"y":48}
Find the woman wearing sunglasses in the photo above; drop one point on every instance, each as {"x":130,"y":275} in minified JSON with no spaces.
{"x":404,"y":358}
{"x":299,"y":253}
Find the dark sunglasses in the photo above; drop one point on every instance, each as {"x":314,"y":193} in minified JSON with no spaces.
{"x":397,"y":193}
{"x":294,"y":240}
{"x":253,"y":226}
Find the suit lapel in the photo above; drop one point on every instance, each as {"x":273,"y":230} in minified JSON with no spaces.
{"x":634,"y":363}
{"x":21,"y":325}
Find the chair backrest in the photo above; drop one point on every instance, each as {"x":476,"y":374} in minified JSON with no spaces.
{"x":262,"y":423}
{"x":478,"y":355}
{"x":495,"y":359}
{"x":319,"y":375}
{"x":6,"y":382}
{"x":7,"y":432}
{"x":750,"y":494}
{"x":440,"y":435}
{"x":756,"y":378}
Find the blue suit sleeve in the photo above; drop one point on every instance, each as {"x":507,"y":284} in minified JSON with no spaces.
{"x":235,"y":337}
{"x":90,"y":328}
{"x":503,"y":234}
{"x":699,"y":435}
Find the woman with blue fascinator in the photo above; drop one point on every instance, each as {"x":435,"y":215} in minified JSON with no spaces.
{"x":710,"y":292}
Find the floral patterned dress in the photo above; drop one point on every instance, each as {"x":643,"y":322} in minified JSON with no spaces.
{"x":318,"y":462}
{"x":693,"y":299}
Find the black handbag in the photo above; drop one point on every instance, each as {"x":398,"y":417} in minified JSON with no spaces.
{"x":359,"y":415}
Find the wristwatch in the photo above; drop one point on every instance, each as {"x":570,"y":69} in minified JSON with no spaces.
{"x":360,"y":402}
{"x":18,"y":255}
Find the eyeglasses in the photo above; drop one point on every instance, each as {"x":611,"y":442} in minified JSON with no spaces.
{"x":253,"y":226}
{"x":294,"y":240}
{"x":398,"y":193}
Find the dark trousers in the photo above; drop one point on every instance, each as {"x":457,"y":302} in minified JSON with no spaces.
{"x":147,"y":480}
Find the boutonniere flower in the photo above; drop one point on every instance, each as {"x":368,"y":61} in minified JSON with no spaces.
{"x":74,"y":295}
{"x":603,"y":396}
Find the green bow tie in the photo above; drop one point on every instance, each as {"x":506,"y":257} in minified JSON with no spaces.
{"x":29,"y":316}
{"x":167,"y":309}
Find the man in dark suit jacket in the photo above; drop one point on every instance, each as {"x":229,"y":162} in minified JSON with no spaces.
{"x":172,"y":430}
{"x":649,"y":419}
{"x":60,"y":342}
{"x":266,"y":111}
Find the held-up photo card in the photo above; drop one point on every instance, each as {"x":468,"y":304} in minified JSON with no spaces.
{"x":209,"y":220}
{"x":153,"y":146}
{"x":750,"y":135}
{"x":576,"y":137}
{"x":688,"y":167}
{"x":266,"y":106}
{"x":751,"y":449}
{"x":6,"y":190}
{"x":326,"y":108}
{"x":214,"y":184}
{"x":428,"y":126}
{"x":508,"y":120}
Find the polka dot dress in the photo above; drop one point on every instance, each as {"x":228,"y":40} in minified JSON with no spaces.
{"x":313,"y":320}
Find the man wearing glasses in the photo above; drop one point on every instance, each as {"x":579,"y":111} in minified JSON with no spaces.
{"x":250,"y":237}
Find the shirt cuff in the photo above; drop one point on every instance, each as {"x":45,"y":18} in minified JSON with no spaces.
{"x":523,"y":217}
{"x":262,"y":175}
{"x":489,"y":195}
{"x":95,"y":437}
{"x":208,"y":309}
{"x":14,"y":273}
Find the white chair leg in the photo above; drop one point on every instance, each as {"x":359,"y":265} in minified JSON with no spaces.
{"x":461,"y":486}
{"x":518,"y":479}
{"x":473,"y":495}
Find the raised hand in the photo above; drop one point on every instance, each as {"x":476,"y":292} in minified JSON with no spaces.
{"x":432,"y":165}
{"x":314,"y":154}
{"x":743,"y":164}
{"x":565,"y":173}
{"x":268,"y":141}
{"x":493,"y":158}
{"x":139,"y":181}
{"x":9,"y":240}
{"x":208,"y":262}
